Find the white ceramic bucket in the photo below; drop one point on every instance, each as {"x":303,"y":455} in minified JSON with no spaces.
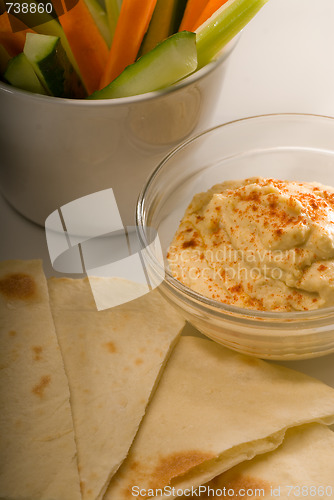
{"x":56,"y":150}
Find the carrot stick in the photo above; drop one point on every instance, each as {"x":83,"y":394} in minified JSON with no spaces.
{"x":210,"y":9}
{"x":133,"y":21}
{"x":194,"y":9}
{"x":12,"y":42}
{"x":88,"y":46}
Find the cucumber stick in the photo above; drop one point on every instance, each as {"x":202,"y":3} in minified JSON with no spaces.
{"x":168,"y":62}
{"x":52,"y":66}
{"x":222,"y":26}
{"x":21,"y":74}
{"x":45,"y":24}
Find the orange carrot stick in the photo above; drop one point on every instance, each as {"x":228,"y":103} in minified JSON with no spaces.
{"x":210,"y":9}
{"x":12,"y":42}
{"x":193,"y":10}
{"x":88,"y":46}
{"x":132,"y":24}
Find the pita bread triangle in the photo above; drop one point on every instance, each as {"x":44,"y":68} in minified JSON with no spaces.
{"x":37,"y":446}
{"x":303,"y":466}
{"x":113,"y":359}
{"x":213,"y":409}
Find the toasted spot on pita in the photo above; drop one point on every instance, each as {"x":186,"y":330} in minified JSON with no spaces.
{"x":18,"y":423}
{"x":139,"y":361}
{"x":127,"y":492}
{"x":12,"y":333}
{"x":251,"y":361}
{"x":39,"y":388}
{"x":15,"y":352}
{"x":37,"y":350}
{"x":134,"y":465}
{"x":18,"y":286}
{"x":176,"y":464}
{"x":110,"y":346}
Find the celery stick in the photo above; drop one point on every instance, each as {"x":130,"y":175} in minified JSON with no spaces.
{"x":222,"y":26}
{"x":113,"y":9}
{"x":101,"y":19}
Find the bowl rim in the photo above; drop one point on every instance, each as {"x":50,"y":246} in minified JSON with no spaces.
{"x":203,"y":302}
{"x":184,"y":82}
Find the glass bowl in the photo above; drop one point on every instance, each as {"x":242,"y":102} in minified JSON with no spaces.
{"x":284,"y":146}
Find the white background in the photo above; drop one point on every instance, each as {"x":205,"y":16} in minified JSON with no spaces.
{"x":284,"y":62}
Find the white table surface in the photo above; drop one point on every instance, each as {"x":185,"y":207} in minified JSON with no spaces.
{"x":283,"y":63}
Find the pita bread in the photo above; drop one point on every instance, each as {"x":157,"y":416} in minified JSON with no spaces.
{"x":37,"y":447}
{"x":303,"y":466}
{"x":112,"y":359}
{"x":213,"y":409}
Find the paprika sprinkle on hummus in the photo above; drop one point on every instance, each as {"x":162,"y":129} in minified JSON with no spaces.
{"x":263,"y":244}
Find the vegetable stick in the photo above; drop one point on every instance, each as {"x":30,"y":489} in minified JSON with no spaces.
{"x":4,"y":59}
{"x":12,"y":42}
{"x":21,"y":74}
{"x":100,"y":18}
{"x":132,"y":25}
{"x":169,"y":62}
{"x":222,"y":26}
{"x":88,"y":46}
{"x":181,"y":6}
{"x":194,"y":9}
{"x":48,"y":26}
{"x":161,"y":25}
{"x":113,"y":8}
{"x":207,"y":12}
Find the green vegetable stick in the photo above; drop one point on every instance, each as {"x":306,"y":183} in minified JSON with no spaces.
{"x":113,"y":9}
{"x":101,"y":19}
{"x":47,"y":25}
{"x":21,"y":74}
{"x":169,"y":62}
{"x":222,"y":26}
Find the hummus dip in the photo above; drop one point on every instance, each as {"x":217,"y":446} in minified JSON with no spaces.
{"x":263,"y":244}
